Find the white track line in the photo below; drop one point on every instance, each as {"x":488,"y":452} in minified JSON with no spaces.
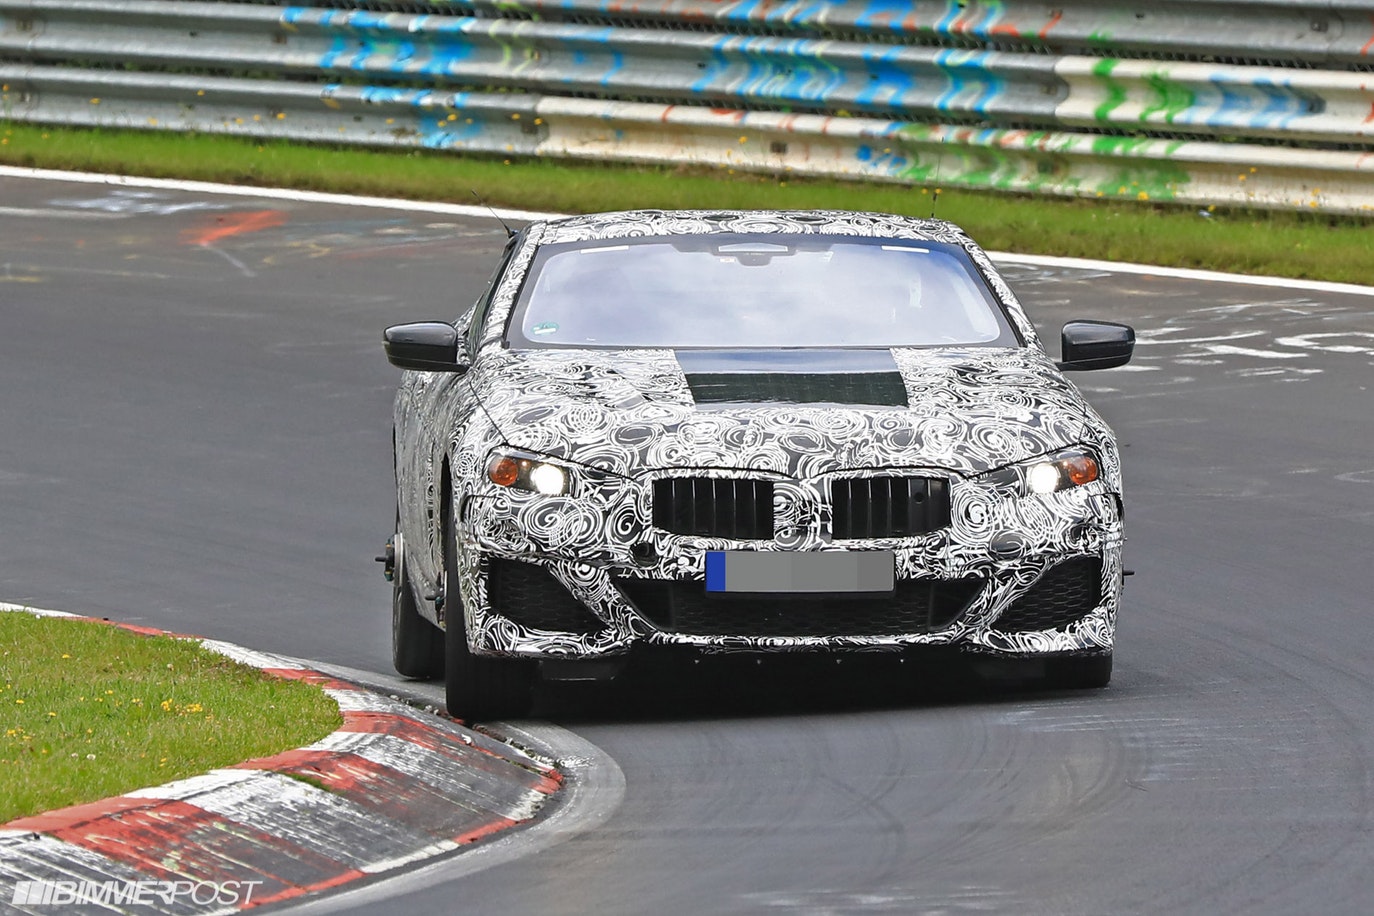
{"x":470,"y":210}
{"x":311,"y":197}
{"x":1182,"y":273}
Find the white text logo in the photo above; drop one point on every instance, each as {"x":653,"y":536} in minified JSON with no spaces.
{"x":125,"y":893}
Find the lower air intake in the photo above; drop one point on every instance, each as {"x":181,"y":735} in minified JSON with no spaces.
{"x":1063,"y":595}
{"x":532,"y":597}
{"x":917,"y":606}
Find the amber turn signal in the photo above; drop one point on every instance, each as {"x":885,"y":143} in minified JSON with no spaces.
{"x":503,"y":471}
{"x":1079,"y":469}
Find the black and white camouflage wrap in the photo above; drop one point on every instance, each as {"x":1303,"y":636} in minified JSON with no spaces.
{"x":623,"y":418}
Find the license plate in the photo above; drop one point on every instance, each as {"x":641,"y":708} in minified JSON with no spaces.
{"x":833,"y":572}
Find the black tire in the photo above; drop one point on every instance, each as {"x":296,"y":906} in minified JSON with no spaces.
{"x":1082,"y":672}
{"x":417,"y":646}
{"x":477,"y":687}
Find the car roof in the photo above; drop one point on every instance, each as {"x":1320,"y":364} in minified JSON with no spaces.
{"x":639,"y":223}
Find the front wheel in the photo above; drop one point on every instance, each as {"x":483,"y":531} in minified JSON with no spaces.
{"x":417,"y":646}
{"x":477,"y":687}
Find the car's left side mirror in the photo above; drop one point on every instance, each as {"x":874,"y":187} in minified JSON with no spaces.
{"x":1096,"y":345}
{"x":426,"y":346}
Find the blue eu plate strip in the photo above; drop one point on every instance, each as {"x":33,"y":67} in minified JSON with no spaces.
{"x":715,"y":570}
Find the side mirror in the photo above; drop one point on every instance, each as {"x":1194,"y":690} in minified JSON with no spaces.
{"x":426,"y":346}
{"x":1096,"y":345}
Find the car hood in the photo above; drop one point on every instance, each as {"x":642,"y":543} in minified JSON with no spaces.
{"x":800,"y":413}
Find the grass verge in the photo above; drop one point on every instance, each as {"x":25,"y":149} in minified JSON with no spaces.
{"x":92,"y":711}
{"x":1284,"y":244}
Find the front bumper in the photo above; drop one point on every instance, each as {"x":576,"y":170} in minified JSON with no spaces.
{"x":605,"y":555}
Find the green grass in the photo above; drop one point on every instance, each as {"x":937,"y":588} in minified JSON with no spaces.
{"x":1282,"y":244}
{"x":91,"y":711}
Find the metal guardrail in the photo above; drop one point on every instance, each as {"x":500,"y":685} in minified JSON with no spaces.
{"x":1006,"y":95}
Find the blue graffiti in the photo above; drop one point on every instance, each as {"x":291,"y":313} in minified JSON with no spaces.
{"x":437,"y":132}
{"x":889,"y":78}
{"x":884,"y":161}
{"x":784,"y":70}
{"x":972,"y":82}
{"x":439,"y":121}
{"x":1261,"y":103}
{"x":363,"y":40}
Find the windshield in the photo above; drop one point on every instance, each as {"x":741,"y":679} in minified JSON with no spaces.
{"x":725,"y":290}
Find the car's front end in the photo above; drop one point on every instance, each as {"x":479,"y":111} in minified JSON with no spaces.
{"x":755,"y":432}
{"x":612,"y":520}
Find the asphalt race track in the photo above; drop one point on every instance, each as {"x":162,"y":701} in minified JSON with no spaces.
{"x":194,"y":435}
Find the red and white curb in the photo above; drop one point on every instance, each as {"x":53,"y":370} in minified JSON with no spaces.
{"x":394,"y":785}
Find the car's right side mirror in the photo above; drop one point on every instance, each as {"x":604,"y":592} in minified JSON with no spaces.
{"x":1096,"y":345}
{"x":425,"y":346}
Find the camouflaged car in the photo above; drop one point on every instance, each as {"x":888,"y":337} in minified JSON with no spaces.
{"x":760,"y":432}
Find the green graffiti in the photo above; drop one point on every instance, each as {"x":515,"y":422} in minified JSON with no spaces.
{"x":983,"y":168}
{"x":1038,"y":161}
{"x":1170,"y":98}
{"x":1154,"y":179}
{"x":1118,"y":146}
{"x":1116,"y":96}
{"x":954,"y":164}
{"x":1148,"y":182}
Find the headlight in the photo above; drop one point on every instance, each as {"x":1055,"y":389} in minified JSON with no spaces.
{"x":1073,"y":467}
{"x":524,"y":471}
